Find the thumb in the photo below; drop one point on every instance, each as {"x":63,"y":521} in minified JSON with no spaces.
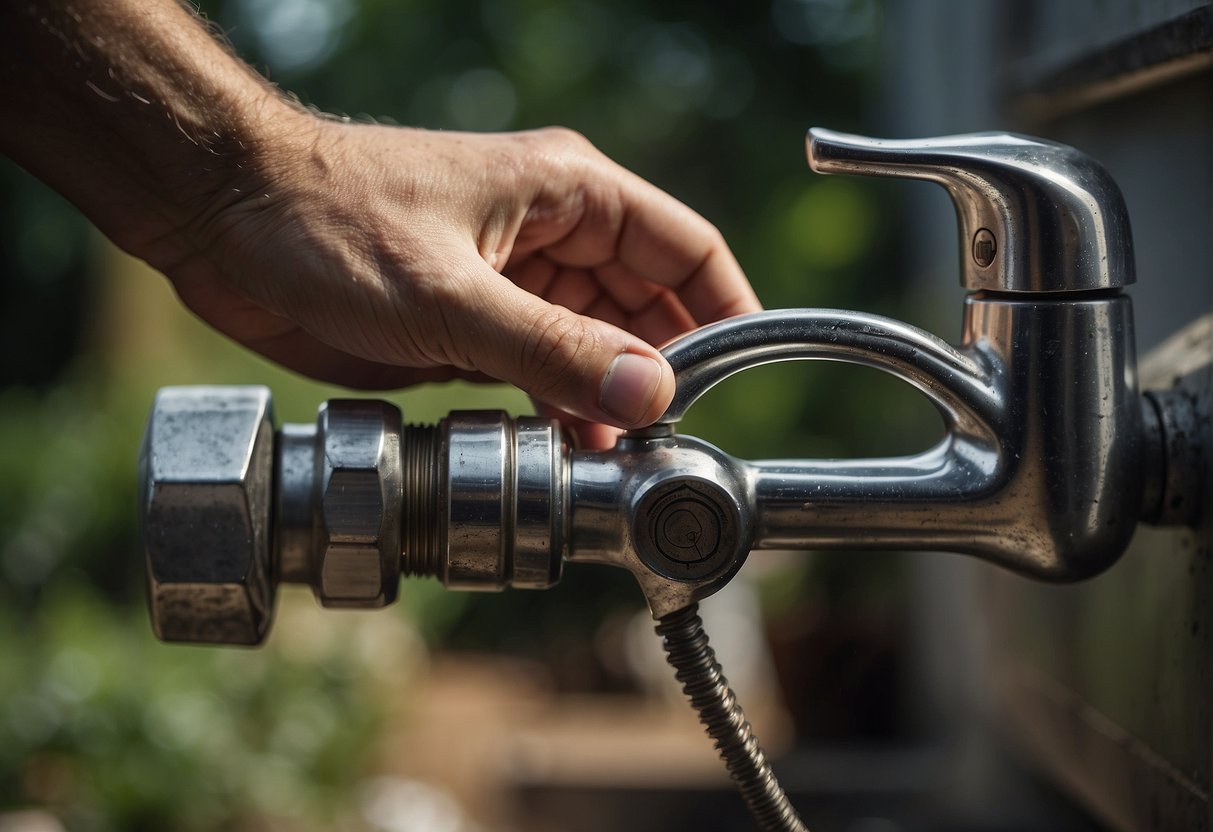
{"x":581,"y":365}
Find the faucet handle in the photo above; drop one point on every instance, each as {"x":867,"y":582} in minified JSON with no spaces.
{"x":1035,"y":216}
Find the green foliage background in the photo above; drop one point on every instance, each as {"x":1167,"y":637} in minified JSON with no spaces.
{"x":710,"y":101}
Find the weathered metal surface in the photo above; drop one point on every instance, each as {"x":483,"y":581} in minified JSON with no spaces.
{"x":205,"y":481}
{"x":359,"y":492}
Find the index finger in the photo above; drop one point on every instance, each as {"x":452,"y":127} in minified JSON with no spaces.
{"x":664,"y":241}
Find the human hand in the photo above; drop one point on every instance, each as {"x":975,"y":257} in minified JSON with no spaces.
{"x":379,"y":257}
{"x":363,"y":255}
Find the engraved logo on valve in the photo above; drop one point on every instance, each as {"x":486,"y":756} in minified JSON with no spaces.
{"x":685,"y":529}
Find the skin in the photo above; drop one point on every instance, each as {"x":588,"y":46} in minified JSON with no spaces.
{"x":369,"y":256}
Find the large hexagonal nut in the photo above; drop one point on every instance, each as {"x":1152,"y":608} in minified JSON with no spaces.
{"x":206,"y":472}
{"x":358,"y":512}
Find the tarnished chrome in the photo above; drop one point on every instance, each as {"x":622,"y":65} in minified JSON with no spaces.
{"x":359,"y":492}
{"x":478,"y":501}
{"x":1039,"y":470}
{"x":294,"y":480}
{"x":704,"y":358}
{"x":478,"y":494}
{"x":1035,"y":216}
{"x":501,"y":522}
{"x":647,"y":502}
{"x":540,"y":469}
{"x":204,"y":507}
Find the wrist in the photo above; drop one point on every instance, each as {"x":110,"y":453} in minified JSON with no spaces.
{"x":261,"y":151}
{"x":233,"y":144}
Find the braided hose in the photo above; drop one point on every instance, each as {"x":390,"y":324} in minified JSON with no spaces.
{"x":687,"y":650}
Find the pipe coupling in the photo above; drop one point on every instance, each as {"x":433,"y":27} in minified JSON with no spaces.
{"x":486,"y":501}
{"x":344,"y":505}
{"x":477,"y":501}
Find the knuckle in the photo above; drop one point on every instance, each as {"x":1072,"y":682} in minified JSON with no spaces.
{"x":566,"y":138}
{"x":422,"y":323}
{"x":715,"y":238}
{"x":556,"y":148}
{"x":553,"y":350}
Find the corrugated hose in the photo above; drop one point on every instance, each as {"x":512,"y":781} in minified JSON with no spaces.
{"x":687,"y":650}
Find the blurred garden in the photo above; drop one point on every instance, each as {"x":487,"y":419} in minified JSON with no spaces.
{"x":103,"y":728}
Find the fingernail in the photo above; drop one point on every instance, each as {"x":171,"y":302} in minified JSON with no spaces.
{"x":629,"y":387}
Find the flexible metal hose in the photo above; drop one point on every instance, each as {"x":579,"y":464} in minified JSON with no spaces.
{"x":687,"y":650}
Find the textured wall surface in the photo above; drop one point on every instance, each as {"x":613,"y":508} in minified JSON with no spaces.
{"x":1107,"y":684}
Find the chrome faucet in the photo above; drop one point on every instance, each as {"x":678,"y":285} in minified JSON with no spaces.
{"x":1050,"y":456}
{"x":1040,"y":468}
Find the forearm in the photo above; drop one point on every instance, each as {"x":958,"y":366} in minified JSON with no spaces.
{"x":383,"y":256}
{"x":135,"y":112}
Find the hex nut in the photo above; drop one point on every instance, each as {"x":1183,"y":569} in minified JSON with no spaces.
{"x":206,"y":469}
{"x":358,"y":514}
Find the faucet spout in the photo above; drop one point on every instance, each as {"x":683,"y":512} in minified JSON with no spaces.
{"x":1039,"y":467}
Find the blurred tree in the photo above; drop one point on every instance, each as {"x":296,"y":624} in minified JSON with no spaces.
{"x":47,"y":282}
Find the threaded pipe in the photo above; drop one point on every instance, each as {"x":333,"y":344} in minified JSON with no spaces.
{"x":687,"y":650}
{"x":422,"y":491}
